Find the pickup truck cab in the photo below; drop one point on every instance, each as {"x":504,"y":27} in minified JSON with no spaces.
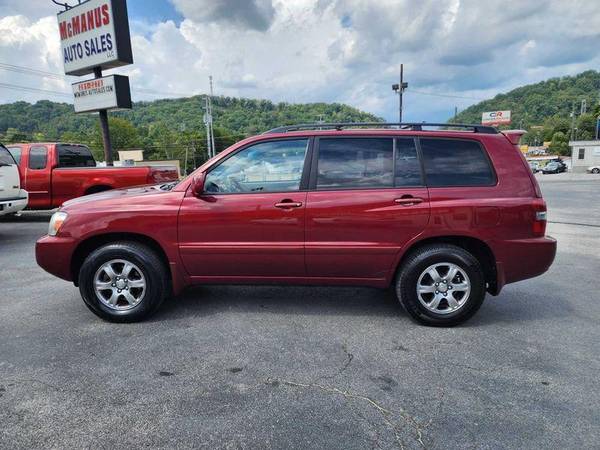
{"x":12,"y":198}
{"x":53,"y":173}
{"x":442,"y":216}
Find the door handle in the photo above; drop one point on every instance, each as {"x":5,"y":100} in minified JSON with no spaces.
{"x":286,"y":204}
{"x":408,"y":201}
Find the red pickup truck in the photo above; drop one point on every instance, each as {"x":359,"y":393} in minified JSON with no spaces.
{"x":53,"y":173}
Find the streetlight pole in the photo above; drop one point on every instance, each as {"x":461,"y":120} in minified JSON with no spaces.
{"x":399,"y":89}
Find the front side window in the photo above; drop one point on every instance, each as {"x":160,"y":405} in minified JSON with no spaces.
{"x":349,"y":163}
{"x":6,"y":158}
{"x":38,"y":157}
{"x":456,"y":162}
{"x":75,"y":156}
{"x":274,"y":166}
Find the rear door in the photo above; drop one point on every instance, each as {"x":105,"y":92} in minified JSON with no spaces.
{"x":367,"y":200}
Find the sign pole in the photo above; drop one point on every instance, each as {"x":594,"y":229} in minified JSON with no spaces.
{"x":108,"y":153}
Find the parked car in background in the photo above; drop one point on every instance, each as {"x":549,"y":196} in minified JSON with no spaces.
{"x":441,"y":215}
{"x":594,"y":169}
{"x":54,"y":173}
{"x":534,"y":166}
{"x":554,"y":167}
{"x":12,"y":198}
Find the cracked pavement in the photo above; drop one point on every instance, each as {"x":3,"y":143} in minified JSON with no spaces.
{"x":298,"y":367}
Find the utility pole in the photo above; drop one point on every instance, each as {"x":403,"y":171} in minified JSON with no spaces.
{"x":583,"y":106}
{"x":212,"y":133}
{"x":455,"y":114}
{"x":399,"y":89}
{"x":573,"y":122}
{"x":207,"y":120}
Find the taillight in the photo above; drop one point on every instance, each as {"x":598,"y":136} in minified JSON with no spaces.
{"x":540,"y":218}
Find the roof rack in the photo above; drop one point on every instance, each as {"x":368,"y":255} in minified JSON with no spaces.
{"x":402,"y":126}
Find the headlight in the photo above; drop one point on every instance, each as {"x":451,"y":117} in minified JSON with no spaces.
{"x":57,"y":220}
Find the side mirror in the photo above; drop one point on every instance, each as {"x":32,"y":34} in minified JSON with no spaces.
{"x":198,"y":184}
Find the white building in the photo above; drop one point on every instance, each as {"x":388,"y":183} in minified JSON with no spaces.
{"x":584,"y":154}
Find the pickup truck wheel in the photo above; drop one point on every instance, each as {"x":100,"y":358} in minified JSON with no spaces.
{"x":441,"y":285}
{"x":123,"y":282}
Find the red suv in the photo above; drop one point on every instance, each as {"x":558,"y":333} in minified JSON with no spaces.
{"x":442,"y":215}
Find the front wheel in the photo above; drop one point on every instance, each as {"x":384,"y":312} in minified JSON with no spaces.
{"x":441,"y":285}
{"x":123,"y":282}
{"x":596,"y":171}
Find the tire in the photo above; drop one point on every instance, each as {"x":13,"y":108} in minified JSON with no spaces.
{"x":459,"y":303}
{"x":596,"y":171}
{"x":136,"y":269}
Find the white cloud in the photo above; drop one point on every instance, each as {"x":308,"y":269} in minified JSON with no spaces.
{"x":340,"y":50}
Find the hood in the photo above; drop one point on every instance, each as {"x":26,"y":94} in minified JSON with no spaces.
{"x":127,"y":195}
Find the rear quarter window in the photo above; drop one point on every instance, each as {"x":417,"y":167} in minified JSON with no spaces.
{"x":456,"y":162}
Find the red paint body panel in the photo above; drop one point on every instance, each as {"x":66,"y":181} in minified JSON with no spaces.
{"x":51,"y":186}
{"x":341,"y":237}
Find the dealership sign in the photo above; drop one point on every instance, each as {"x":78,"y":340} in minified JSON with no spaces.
{"x":102,"y":93}
{"x":495,"y":118}
{"x":95,"y":33}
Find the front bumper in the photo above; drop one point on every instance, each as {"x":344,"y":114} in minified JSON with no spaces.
{"x":13,"y":205}
{"x":53,"y":254}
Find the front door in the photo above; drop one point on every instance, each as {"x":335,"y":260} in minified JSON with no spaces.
{"x":249,"y":223}
{"x":367,"y":201}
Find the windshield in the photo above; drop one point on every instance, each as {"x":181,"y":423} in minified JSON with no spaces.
{"x":6,"y":158}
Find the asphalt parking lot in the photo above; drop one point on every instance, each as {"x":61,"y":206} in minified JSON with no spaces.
{"x":281,"y":367}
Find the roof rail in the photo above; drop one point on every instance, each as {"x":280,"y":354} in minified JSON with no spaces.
{"x":402,"y":126}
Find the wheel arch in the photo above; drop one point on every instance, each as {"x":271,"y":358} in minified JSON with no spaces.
{"x":478,"y":248}
{"x":94,"y":242}
{"x":97,"y":188}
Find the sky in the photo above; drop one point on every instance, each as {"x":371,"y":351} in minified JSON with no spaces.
{"x":455,"y":52}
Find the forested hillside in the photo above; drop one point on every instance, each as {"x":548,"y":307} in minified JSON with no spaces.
{"x":544,"y":109}
{"x":164,"y":128}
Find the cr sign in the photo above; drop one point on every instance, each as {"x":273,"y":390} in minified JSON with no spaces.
{"x":95,"y":33}
{"x":495,"y":118}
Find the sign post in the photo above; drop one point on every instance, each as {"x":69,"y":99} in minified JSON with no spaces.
{"x":95,"y":36}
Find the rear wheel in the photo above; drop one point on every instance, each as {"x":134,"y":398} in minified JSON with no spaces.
{"x":441,"y":285}
{"x":596,"y":170}
{"x":123,"y":282}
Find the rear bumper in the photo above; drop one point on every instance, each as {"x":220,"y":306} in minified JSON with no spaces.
{"x":523,"y":259}
{"x":13,"y":205}
{"x":53,"y":254}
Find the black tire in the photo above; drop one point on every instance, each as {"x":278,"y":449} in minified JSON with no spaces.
{"x":152,"y":268}
{"x":596,"y":171}
{"x":418,"y":261}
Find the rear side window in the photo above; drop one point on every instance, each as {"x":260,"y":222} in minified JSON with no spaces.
{"x":75,"y":156}
{"x":408,"y":169}
{"x":347,"y":163}
{"x":38,"y":157}
{"x":6,"y":158}
{"x":456,"y":162}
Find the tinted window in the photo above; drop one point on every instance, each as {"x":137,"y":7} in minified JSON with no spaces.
{"x":75,"y":156}
{"x":355,"y":163}
{"x":267,"y":167}
{"x":38,"y":156}
{"x":408,"y":169}
{"x":16,"y":153}
{"x":455,"y":162}
{"x":6,"y":158}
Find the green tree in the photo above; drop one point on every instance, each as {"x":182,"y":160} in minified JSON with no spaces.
{"x":560,"y":144}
